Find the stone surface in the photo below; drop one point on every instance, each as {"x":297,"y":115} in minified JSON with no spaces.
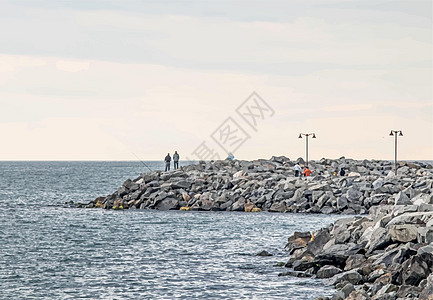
{"x":352,"y":277}
{"x":427,"y":292}
{"x":264,"y":253}
{"x":328,"y":271}
{"x":403,"y":233}
{"x":402,"y":199}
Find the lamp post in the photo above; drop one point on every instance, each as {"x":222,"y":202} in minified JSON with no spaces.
{"x":396,"y":134}
{"x":306,"y":143}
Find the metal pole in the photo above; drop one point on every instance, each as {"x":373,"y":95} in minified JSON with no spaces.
{"x":395,"y":154}
{"x":306,"y":149}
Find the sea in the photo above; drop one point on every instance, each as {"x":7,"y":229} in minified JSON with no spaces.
{"x":49,"y":250}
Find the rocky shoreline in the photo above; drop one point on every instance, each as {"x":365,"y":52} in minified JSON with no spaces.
{"x":387,"y":254}
{"x":384,"y":252}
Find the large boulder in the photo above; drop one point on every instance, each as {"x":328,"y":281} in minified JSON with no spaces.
{"x":402,"y":199}
{"x":167,"y":204}
{"x":328,"y":271}
{"x":427,"y":292}
{"x":316,"y":245}
{"x":180,"y":185}
{"x":378,"y":183}
{"x":335,"y":255}
{"x":412,"y":218}
{"x":417,"y":268}
{"x":297,"y":241}
{"x":354,"y":261}
{"x":239,"y":205}
{"x":278,"y":207}
{"x":403,"y":233}
{"x":353,"y":194}
{"x":425,"y":235}
{"x":380,"y":239}
{"x":350,"y":276}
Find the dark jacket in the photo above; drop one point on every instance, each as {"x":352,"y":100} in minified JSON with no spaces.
{"x":167,"y":159}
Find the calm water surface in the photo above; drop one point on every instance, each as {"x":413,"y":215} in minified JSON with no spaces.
{"x":48,"y":251}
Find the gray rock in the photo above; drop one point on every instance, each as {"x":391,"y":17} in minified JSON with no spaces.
{"x":339,"y":295}
{"x":417,"y":268}
{"x":378,"y":183}
{"x":354,"y":261}
{"x":425,"y":235}
{"x":358,"y":295}
{"x":334,"y":255}
{"x":427,"y":292}
{"x":295,"y":274}
{"x":347,"y":289}
{"x":327,"y":210}
{"x":180,"y":185}
{"x":278,"y":207}
{"x":352,"y":277}
{"x":380,"y":239}
{"x":403,"y":233}
{"x":316,"y":245}
{"x":328,"y":271}
{"x":402,"y":199}
{"x":264,"y":253}
{"x":342,"y":203}
{"x":167,"y":204}
{"x":239,"y":205}
{"x":353,"y":194}
{"x":412,"y":218}
{"x":426,"y":249}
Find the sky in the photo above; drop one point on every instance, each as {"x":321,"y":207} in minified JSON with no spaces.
{"x":121,"y":79}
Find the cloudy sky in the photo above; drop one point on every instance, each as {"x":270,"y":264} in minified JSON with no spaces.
{"x":101,"y":80}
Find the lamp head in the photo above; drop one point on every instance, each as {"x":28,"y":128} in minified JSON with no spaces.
{"x":314,"y":135}
{"x":300,"y":136}
{"x":401,"y":133}
{"x":391,"y":133}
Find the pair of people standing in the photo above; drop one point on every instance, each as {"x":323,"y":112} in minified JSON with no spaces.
{"x":297,"y":168}
{"x":167,"y":160}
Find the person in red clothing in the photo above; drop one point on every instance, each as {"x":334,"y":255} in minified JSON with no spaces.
{"x":307,"y":171}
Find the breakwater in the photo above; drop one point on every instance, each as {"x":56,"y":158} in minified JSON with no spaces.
{"x":270,"y":185}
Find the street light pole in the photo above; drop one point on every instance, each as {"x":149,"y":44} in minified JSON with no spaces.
{"x":306,"y":143}
{"x":396,"y":134}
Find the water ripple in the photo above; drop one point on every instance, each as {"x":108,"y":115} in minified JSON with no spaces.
{"x":51,"y":252}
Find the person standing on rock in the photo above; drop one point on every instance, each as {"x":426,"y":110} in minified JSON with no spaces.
{"x":167,"y":160}
{"x":342,"y":172}
{"x":307,"y":172}
{"x":297,"y":169}
{"x":176,"y":160}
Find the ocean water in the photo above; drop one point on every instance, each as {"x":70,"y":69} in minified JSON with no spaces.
{"x":51,"y":251}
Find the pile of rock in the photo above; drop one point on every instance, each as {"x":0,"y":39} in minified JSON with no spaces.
{"x":385,"y":255}
{"x":270,"y":185}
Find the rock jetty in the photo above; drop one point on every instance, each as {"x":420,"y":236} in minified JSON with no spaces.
{"x":270,"y":185}
{"x":387,"y":254}
{"x":384,"y":252}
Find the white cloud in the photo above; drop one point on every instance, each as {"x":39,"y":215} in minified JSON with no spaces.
{"x":355,"y":107}
{"x":72,"y":66}
{"x":149,"y":80}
